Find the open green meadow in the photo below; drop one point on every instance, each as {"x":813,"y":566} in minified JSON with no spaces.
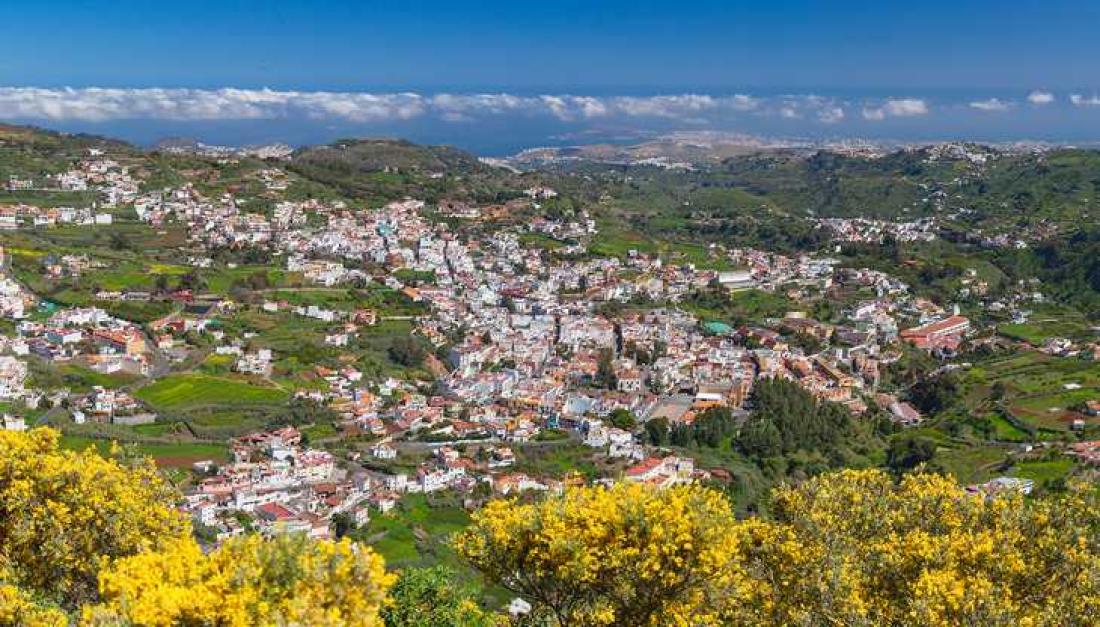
{"x":417,"y":531}
{"x":972,"y":464}
{"x":167,"y":454}
{"x":1043,"y":471}
{"x":181,"y":392}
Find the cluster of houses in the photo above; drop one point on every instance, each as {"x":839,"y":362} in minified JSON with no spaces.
{"x":274,"y":484}
{"x":112,"y":181}
{"x":111,"y":406}
{"x":22,"y":215}
{"x":14,"y":300}
{"x":870,"y":231}
{"x":537,"y":351}
{"x":90,"y":335}
{"x":534,"y":340}
{"x":943,"y":334}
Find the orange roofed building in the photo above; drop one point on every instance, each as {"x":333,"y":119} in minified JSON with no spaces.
{"x":946,"y":333}
{"x":662,"y":472}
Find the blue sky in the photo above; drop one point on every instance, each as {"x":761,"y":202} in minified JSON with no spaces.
{"x":614,"y":44}
{"x":971,"y":64}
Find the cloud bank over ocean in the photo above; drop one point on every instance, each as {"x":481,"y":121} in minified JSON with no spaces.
{"x":96,"y":104}
{"x":457,"y":114}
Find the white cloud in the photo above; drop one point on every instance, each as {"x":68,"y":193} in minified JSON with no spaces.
{"x":93,"y":104}
{"x":896,"y":107}
{"x":569,"y":108}
{"x":457,"y":107}
{"x":992,"y":104}
{"x":687,"y":105}
{"x":96,"y":104}
{"x":831,"y":115}
{"x":801,"y":107}
{"x":906,"y":107}
{"x":592,"y":107}
{"x":558,"y":107}
{"x":874,"y":114}
{"x":1040,"y":97}
{"x":741,"y":102}
{"x":1084,"y":101}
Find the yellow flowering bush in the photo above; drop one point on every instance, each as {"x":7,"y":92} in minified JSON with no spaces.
{"x":848,"y":548}
{"x":17,"y":608}
{"x":854,"y":548}
{"x":76,"y":528}
{"x":63,"y":512}
{"x":92,"y":538}
{"x":290,"y":580}
{"x":625,"y":555}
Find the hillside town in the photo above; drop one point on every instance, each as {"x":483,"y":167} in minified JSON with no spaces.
{"x":531,"y":344}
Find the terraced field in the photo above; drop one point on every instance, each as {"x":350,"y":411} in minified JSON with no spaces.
{"x":1040,"y":390}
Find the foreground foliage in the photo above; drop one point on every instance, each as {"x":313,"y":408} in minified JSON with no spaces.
{"x":290,"y":580}
{"x":856,"y":548}
{"x":62,"y":513}
{"x":17,"y":607}
{"x":85,"y":536}
{"x":627,"y":555}
{"x":432,"y":597}
{"x":92,"y":540}
{"x":850,"y":548}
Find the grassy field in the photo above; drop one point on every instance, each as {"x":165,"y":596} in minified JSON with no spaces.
{"x":166,"y":454}
{"x":1043,"y":471}
{"x":298,"y":343}
{"x":135,"y":236}
{"x":221,"y":424}
{"x":386,"y":301}
{"x":1049,"y":322}
{"x":182,"y":392}
{"x":1006,"y":431}
{"x":320,"y":431}
{"x":82,"y":379}
{"x":217,"y":364}
{"x":538,"y":240}
{"x":743,"y":306}
{"x":558,"y":460}
{"x":49,"y":198}
{"x":614,"y":242}
{"x":416,"y":532}
{"x":219,"y":281}
{"x":131,"y":275}
{"x":972,"y":464}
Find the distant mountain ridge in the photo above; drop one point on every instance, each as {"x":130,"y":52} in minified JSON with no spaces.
{"x":1025,"y":182}
{"x":377,"y":155}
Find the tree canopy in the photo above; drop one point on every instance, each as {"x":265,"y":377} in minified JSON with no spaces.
{"x":432,"y":597}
